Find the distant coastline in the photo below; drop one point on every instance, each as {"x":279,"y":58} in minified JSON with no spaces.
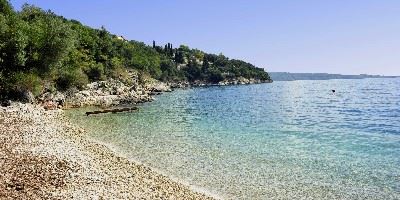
{"x":287,"y":76}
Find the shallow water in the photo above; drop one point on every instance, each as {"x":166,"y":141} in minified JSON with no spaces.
{"x":282,"y":140}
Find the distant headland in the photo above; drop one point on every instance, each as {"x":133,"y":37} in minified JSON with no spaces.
{"x":287,"y":76}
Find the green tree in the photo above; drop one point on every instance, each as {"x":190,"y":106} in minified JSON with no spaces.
{"x":5,"y":8}
{"x":38,"y":47}
{"x":179,"y":58}
{"x":13,"y":42}
{"x":105,"y":48}
{"x":50,"y":39}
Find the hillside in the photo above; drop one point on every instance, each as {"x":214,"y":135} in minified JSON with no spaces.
{"x":40,"y":51}
{"x":286,"y":76}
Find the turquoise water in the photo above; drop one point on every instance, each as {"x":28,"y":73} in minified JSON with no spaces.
{"x":285,"y":140}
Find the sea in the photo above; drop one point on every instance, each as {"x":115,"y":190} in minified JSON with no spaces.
{"x":280,"y":140}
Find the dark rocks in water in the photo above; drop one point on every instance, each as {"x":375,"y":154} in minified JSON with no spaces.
{"x":155,"y":90}
{"x":155,"y":93}
{"x":116,"y":110}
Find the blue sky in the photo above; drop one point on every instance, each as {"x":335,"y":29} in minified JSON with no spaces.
{"x":334,"y":36}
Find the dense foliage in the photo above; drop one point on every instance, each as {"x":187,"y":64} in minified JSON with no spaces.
{"x":40,"y":49}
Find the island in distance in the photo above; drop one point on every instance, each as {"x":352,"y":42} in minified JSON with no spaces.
{"x":287,"y":76}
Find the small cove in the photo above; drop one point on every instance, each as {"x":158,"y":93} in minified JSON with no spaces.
{"x":281,"y":140}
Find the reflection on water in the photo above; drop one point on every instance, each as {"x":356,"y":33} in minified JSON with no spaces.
{"x":282,"y":140}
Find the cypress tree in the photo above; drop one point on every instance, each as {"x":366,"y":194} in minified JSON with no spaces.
{"x":171,"y":50}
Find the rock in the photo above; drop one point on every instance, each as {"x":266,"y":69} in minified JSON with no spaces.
{"x":27,"y":97}
{"x":59,"y":99}
{"x":155,"y":93}
{"x":6,"y":103}
{"x":160,"y":87}
{"x":85,"y":93}
{"x":50,"y":105}
{"x":119,"y":91}
{"x":223,"y":83}
{"x":93,"y":86}
{"x":114,"y":92}
{"x":45,"y":96}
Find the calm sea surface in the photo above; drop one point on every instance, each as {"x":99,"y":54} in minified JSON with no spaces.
{"x":285,"y":140}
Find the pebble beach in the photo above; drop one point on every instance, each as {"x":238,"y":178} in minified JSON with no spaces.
{"x":44,"y":156}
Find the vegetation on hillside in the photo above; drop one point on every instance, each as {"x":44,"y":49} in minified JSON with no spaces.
{"x":39,"y":49}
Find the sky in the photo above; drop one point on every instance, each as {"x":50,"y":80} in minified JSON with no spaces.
{"x":332,"y":36}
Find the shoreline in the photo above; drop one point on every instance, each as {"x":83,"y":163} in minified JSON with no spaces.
{"x":191,"y":186}
{"x":114,"y":92}
{"x":58,"y":161}
{"x":44,"y":135}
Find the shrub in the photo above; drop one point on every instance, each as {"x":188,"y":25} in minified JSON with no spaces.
{"x":27,"y":82}
{"x":75,"y":78}
{"x":215,"y":76}
{"x":95,"y":72}
{"x":117,"y":70}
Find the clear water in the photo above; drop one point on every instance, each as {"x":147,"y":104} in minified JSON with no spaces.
{"x":285,"y":140}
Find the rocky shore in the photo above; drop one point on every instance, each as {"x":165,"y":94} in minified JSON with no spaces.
{"x":113,"y":92}
{"x":44,"y":156}
{"x":226,"y":82}
{"x":107,"y":93}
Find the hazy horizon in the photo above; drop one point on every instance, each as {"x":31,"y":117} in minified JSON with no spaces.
{"x":327,"y":73}
{"x":352,"y":37}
